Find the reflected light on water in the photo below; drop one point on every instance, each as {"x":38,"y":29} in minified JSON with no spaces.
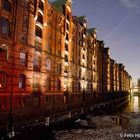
{"x":136,"y":104}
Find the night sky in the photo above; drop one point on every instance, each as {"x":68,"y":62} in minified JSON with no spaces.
{"x":118,"y":24}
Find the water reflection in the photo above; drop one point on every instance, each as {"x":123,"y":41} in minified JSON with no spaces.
{"x":133,"y":105}
{"x":136,"y":104}
{"x":120,"y":120}
{"x":132,"y":111}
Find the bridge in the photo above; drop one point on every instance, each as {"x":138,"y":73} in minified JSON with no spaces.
{"x":135,"y":90}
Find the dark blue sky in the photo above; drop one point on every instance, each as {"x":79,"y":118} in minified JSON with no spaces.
{"x":118,"y":24}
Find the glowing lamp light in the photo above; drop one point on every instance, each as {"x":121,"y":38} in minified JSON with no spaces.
{"x":0,"y":85}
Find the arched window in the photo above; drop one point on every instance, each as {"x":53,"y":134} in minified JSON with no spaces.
{"x":48,"y":84}
{"x":22,"y":81}
{"x":38,"y":31}
{"x":58,"y":84}
{"x":3,"y":79}
{"x":40,"y":18}
{"x":4,"y":26}
{"x":66,"y":58}
{"x":7,"y":5}
{"x":41,"y":5}
{"x":3,"y":55}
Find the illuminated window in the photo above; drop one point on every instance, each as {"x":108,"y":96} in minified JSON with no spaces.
{"x":22,"y":80}
{"x":7,"y":5}
{"x":66,"y":58}
{"x":23,"y":58}
{"x":66,"y":46}
{"x":38,"y":31}
{"x":58,"y":84}
{"x":83,"y":56}
{"x":48,"y":64}
{"x":3,"y":55}
{"x":68,"y":17}
{"x":41,"y":5}
{"x":40,"y":18}
{"x":36,"y":84}
{"x":67,"y":26}
{"x":66,"y":69}
{"x":37,"y":62}
{"x":48,"y":84}
{"x":3,"y":79}
{"x":4,"y":26}
{"x":67,"y":36}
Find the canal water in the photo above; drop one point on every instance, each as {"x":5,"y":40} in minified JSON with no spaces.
{"x":121,"y":125}
{"x":132,"y":112}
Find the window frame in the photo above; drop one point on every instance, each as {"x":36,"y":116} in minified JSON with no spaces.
{"x":4,"y":56}
{"x":23,"y":61}
{"x":38,"y":31}
{"x":4,"y":26}
{"x":3,"y":82}
{"x":22,"y":81}
{"x":40,"y":18}
{"x":7,"y":5}
{"x":37,"y":62}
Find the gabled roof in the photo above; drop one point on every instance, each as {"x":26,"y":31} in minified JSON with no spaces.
{"x":81,"y":19}
{"x":59,"y":4}
{"x":91,"y":30}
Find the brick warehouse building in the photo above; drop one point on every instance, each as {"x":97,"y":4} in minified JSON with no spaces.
{"x":49,"y":58}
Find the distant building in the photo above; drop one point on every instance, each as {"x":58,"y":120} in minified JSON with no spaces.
{"x":138,"y":85}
